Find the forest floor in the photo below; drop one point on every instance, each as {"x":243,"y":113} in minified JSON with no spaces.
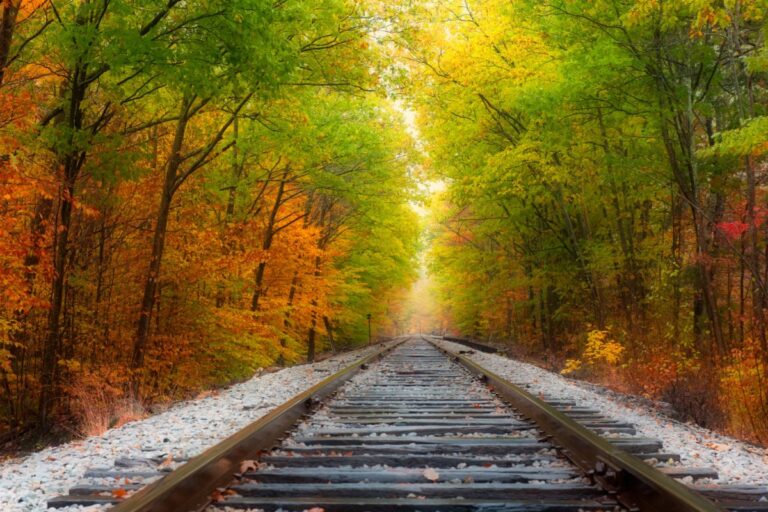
{"x":737,"y":462}
{"x":183,"y":430}
{"x":67,"y":430}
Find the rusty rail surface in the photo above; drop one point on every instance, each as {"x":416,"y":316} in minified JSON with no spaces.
{"x":189,"y":487}
{"x":635,"y":484}
{"x":482,"y":347}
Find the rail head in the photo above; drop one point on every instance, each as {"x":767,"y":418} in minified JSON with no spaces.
{"x":482,"y":347}
{"x":190,"y":487}
{"x":636,"y":485}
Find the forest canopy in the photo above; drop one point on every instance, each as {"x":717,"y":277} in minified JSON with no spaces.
{"x":191,"y":191}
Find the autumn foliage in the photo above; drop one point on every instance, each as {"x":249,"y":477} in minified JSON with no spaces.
{"x":193,"y":190}
{"x":190,"y":191}
{"x":605,"y":175}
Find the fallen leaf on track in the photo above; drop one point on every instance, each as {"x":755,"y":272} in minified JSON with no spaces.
{"x":167,"y":461}
{"x":248,"y":465}
{"x":119,"y":493}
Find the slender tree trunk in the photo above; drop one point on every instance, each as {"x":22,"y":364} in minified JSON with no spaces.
{"x":758,"y":294}
{"x":313,"y":322}
{"x":69,"y":164}
{"x":509,"y":305}
{"x":311,"y":341}
{"x":704,"y":232}
{"x":729,"y":303}
{"x":594,"y":288}
{"x":324,"y":211}
{"x":175,"y":176}
{"x":230,"y":211}
{"x":685,"y":172}
{"x":41,"y":216}
{"x":266,"y":245}
{"x":745,"y":108}
{"x":329,"y":331}
{"x":158,"y":243}
{"x":706,"y":293}
{"x":742,"y":291}
{"x":10,"y":11}
{"x":287,"y":317}
{"x":631,"y":274}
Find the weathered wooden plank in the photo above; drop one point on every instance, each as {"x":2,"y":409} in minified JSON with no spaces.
{"x":86,"y":489}
{"x":740,"y":506}
{"x":418,"y":414}
{"x":431,"y":440}
{"x":630,"y":444}
{"x":83,"y":501}
{"x":745,"y":492}
{"x":433,"y":421}
{"x":411,"y":410}
{"x":492,"y":491}
{"x":427,"y":460}
{"x":693,"y":472}
{"x":442,"y":449}
{"x":414,"y":504}
{"x":437,"y":441}
{"x":658,"y":456}
{"x":410,"y":475}
{"x":399,"y":430}
{"x":123,"y":473}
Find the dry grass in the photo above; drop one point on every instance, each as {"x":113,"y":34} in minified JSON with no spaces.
{"x":99,"y":408}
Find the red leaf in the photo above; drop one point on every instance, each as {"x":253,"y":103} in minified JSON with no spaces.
{"x":733,"y":230}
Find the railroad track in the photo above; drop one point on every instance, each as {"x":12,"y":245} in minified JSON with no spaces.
{"x":414,"y":428}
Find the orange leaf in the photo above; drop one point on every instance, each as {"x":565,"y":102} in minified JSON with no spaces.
{"x":119,"y":493}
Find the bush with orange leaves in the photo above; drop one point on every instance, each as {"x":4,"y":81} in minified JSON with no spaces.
{"x":744,"y":392}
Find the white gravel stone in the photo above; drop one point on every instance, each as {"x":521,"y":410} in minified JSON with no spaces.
{"x":737,"y":462}
{"x":184,"y":430}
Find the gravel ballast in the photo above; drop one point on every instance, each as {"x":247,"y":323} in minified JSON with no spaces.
{"x":736,"y":462}
{"x":188,"y":428}
{"x":184,"y":430}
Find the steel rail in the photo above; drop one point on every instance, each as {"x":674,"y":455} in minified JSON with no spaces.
{"x":635,"y":484}
{"x":482,"y":347}
{"x":189,"y":488}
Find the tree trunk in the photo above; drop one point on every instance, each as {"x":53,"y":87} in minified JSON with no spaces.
{"x":313,"y":323}
{"x":706,"y":291}
{"x":266,"y":245}
{"x":631,"y":278}
{"x":158,"y":244}
{"x":71,"y":163}
{"x":329,"y":331}
{"x":287,"y":317}
{"x":758,"y":292}
{"x":508,"y":328}
{"x":594,"y":288}
{"x":7,"y":28}
{"x":311,"y":342}
{"x":230,"y":211}
{"x":174,"y":178}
